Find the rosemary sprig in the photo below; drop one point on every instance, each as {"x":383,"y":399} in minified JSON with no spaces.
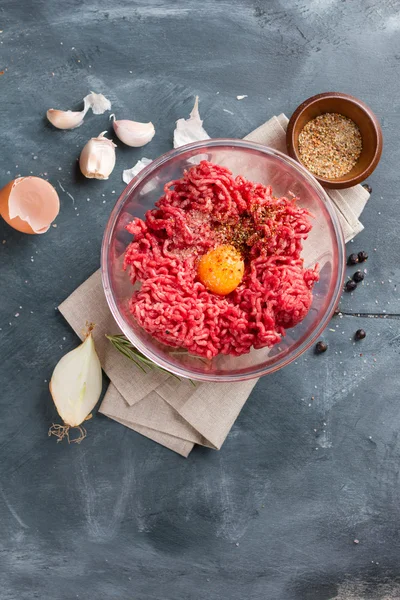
{"x":124,"y":346}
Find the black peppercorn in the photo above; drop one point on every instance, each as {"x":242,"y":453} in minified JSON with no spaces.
{"x":358,"y":276}
{"x":321,"y":347}
{"x":362,"y":256}
{"x":352,"y":260}
{"x":350,"y":285}
{"x":360,"y":334}
{"x":367,"y":187}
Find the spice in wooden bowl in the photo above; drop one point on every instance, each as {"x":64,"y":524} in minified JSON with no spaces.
{"x":330,"y":145}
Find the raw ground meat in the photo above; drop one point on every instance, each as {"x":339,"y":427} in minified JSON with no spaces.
{"x":208,"y":207}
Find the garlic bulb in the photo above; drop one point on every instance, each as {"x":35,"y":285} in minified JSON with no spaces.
{"x":191,"y":129}
{"x":97,"y":159}
{"x":132,"y":133}
{"x":69,"y":119}
{"x":76,"y":387}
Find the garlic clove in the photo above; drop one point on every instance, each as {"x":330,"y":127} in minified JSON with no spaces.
{"x":133,"y":133}
{"x":97,"y":159}
{"x":129,"y":174}
{"x":76,"y":383}
{"x":191,"y":129}
{"x":29,"y":204}
{"x":66,"y":119}
{"x":69,"y":119}
{"x":97,"y":102}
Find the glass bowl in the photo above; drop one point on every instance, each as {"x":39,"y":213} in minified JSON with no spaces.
{"x":258,"y":163}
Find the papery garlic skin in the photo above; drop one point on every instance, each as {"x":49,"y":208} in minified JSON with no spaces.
{"x":129,"y":174}
{"x":133,"y":133}
{"x":97,"y":102}
{"x":191,"y":129}
{"x":76,"y":383}
{"x":97,"y":159}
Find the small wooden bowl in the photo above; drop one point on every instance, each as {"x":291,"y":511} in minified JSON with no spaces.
{"x":334,"y":102}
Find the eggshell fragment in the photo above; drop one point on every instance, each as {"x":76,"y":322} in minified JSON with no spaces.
{"x":29,"y":204}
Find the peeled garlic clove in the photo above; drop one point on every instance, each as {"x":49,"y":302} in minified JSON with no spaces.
{"x":29,"y":204}
{"x":191,"y":129}
{"x":76,"y":383}
{"x":132,"y":133}
{"x":129,"y":174}
{"x":97,"y":159}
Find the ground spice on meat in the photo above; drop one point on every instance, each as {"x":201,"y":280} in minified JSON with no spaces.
{"x":330,"y":145}
{"x":205,"y":208}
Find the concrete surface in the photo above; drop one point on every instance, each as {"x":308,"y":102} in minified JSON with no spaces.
{"x":312,"y":463}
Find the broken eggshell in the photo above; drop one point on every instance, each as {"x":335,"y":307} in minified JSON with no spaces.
{"x":29,"y":204}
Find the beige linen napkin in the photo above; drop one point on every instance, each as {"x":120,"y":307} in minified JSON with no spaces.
{"x":170,"y":412}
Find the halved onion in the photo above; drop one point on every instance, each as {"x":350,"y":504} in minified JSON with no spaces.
{"x":76,"y":387}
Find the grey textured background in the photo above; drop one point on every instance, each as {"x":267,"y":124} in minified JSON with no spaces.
{"x":273,"y":515}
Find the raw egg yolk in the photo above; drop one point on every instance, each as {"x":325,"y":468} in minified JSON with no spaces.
{"x":221,"y":269}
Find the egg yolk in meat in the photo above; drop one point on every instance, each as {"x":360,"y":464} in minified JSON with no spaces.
{"x":221,"y":269}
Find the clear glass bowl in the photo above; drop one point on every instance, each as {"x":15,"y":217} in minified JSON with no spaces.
{"x":324,"y":245}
